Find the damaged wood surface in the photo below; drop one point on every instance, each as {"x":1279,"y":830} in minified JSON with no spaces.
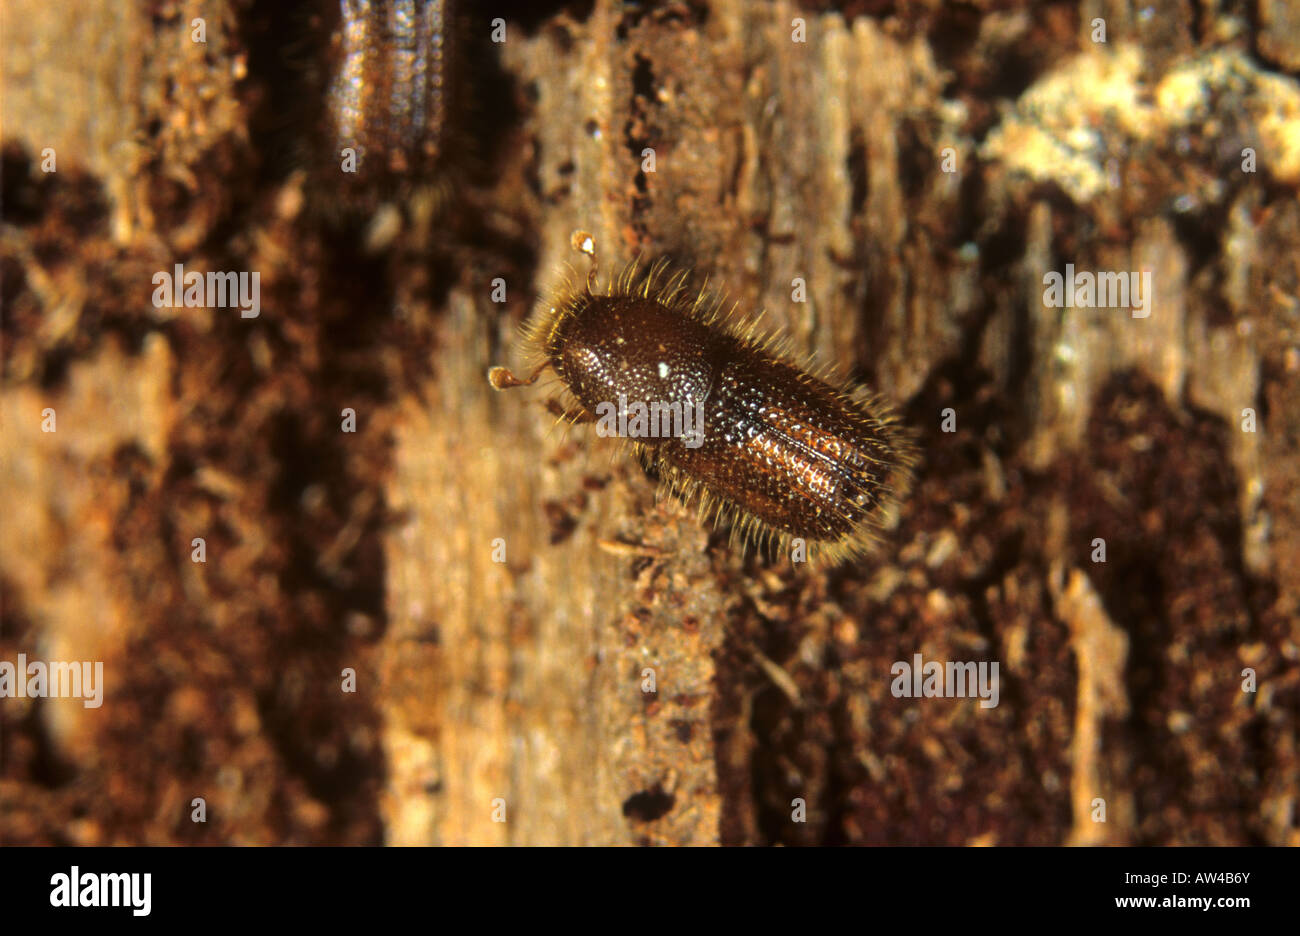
{"x":505,"y":702}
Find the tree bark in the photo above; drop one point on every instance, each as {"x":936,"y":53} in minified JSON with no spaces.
{"x":920,"y":169}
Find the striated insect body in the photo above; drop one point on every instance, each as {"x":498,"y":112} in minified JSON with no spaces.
{"x":781,"y":453}
{"x":394,"y":86}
